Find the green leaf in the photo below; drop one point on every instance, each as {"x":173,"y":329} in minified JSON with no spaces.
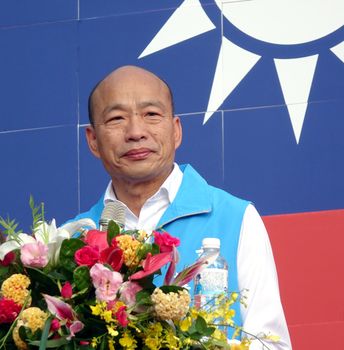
{"x":3,"y":271}
{"x":144,"y":250}
{"x":113,"y":231}
{"x":53,"y":343}
{"x":171,"y":288}
{"x":22,"y":333}
{"x":143,"y":297}
{"x":68,"y":249}
{"x":81,"y":276}
{"x":43,"y":283}
{"x":44,"y":337}
{"x":209,"y":331}
{"x":103,"y":344}
{"x":201,"y":324}
{"x":37,"y":212}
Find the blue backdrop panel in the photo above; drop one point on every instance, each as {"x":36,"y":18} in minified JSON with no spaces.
{"x":38,"y":66}
{"x":19,"y":12}
{"x":262,"y":163}
{"x":203,"y":146}
{"x":41,"y":162}
{"x":53,"y":53}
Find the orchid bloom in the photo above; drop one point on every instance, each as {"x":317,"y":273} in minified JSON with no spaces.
{"x":191,"y":271}
{"x":64,"y":312}
{"x":172,"y":268}
{"x":49,"y":235}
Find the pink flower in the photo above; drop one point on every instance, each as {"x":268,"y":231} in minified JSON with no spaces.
{"x":34,"y":254}
{"x":8,"y":259}
{"x":9,"y":310}
{"x":106,"y":282}
{"x":121,"y":316}
{"x":55,"y":325}
{"x":67,"y":291}
{"x":191,"y":271}
{"x":64,"y":312}
{"x":172,"y":268}
{"x":128,"y":292}
{"x":97,"y":239}
{"x":75,"y":327}
{"x":165,"y":241}
{"x":152,"y":264}
{"x":86,"y":256}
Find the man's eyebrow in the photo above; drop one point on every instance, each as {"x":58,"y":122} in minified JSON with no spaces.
{"x":123,"y":107}
{"x":118,"y":106}
{"x":154,"y":103}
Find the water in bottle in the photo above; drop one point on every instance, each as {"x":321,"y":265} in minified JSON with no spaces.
{"x":213,"y":280}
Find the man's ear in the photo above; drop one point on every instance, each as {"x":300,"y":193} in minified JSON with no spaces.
{"x":91,"y":137}
{"x":178,"y":133}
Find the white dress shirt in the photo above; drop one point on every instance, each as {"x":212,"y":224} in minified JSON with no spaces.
{"x":255,"y":262}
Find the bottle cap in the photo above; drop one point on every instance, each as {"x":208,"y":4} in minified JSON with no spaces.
{"x":211,"y":243}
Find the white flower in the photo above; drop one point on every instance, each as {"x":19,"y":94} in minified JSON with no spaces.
{"x":47,"y":234}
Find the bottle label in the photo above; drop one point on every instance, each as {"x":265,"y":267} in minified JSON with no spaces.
{"x":214,"y":281}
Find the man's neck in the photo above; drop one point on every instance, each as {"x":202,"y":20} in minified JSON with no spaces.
{"x":135,"y":194}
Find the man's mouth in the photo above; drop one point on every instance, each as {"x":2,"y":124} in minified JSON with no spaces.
{"x":138,"y":154}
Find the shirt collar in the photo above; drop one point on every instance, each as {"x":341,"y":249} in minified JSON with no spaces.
{"x":168,"y":189}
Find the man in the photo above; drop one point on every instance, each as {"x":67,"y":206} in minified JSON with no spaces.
{"x":135,"y":134}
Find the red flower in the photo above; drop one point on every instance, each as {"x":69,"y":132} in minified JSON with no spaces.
{"x":9,"y":310}
{"x":165,"y":241}
{"x":67,"y":291}
{"x":97,"y":239}
{"x":113,"y":256}
{"x":8,"y":259}
{"x":86,"y":256}
{"x":121,"y":316}
{"x":55,"y":325}
{"x":151,"y":264}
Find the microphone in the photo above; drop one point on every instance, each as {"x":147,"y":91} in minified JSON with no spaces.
{"x":112,"y":211}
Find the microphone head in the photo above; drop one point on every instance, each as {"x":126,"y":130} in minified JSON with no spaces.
{"x":112,"y":211}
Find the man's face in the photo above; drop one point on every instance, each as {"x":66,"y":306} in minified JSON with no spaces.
{"x":135,"y":134}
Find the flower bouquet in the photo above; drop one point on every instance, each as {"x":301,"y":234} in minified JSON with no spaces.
{"x":97,"y":291}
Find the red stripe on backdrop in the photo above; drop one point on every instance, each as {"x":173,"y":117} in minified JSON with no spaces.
{"x":309,"y":254}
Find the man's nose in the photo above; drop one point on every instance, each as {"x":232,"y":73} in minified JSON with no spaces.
{"x":136,"y":129}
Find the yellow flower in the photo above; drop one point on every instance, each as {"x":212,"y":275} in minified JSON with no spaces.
{"x":33,"y":318}
{"x":130,"y":247}
{"x":112,"y":331}
{"x":185,"y":324}
{"x":111,"y":344}
{"x":171,"y":340}
{"x":96,"y":309}
{"x":152,"y":343}
{"x":153,"y":336}
{"x":15,"y":288}
{"x":127,"y":341}
{"x":94,"y":342}
{"x":142,"y":235}
{"x":107,"y":316}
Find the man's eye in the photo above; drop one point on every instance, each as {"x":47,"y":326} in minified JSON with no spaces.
{"x":153,"y":115}
{"x":114,"y":120}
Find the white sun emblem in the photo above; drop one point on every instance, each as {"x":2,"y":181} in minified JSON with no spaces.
{"x":273,"y":22}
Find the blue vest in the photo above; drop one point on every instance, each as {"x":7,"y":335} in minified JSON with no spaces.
{"x":198,"y":211}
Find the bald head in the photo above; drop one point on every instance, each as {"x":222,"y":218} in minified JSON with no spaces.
{"x":124,"y":75}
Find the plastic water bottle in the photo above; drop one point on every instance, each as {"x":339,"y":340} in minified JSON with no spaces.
{"x":213,"y":280}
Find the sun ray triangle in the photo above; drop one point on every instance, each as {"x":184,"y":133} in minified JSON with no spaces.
{"x":338,"y":50}
{"x":233,"y":64}
{"x":296,"y":77}
{"x":188,"y":21}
